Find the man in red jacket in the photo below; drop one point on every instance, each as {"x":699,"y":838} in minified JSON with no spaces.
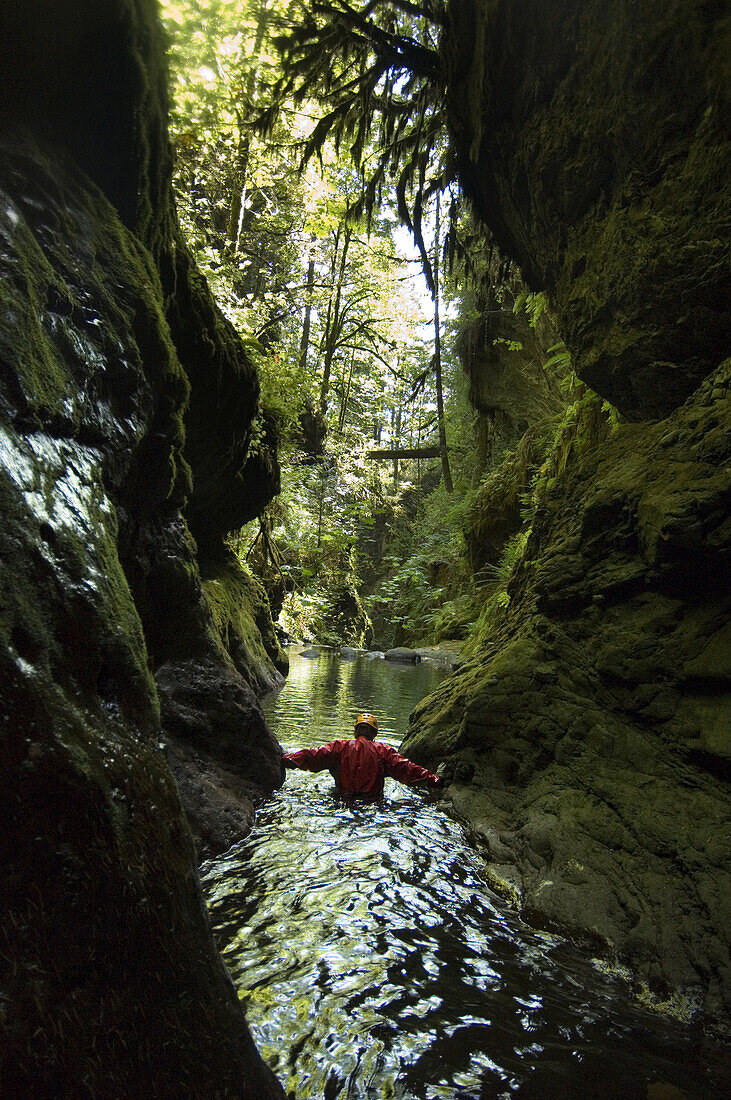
{"x":359,"y":764}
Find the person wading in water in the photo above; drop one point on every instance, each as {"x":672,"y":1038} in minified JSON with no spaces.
{"x":360,"y":764}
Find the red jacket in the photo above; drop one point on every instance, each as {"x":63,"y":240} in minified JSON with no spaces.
{"x":359,"y":766}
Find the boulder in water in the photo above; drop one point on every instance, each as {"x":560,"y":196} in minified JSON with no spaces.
{"x":406,"y":656}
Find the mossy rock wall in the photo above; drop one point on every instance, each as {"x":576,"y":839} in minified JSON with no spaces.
{"x":112,"y":666}
{"x":243,"y":621}
{"x":587,"y":732}
{"x":591,"y":138}
{"x":109,"y":973}
{"x":591,"y":731}
{"x":503,"y":356}
{"x":516,"y":400}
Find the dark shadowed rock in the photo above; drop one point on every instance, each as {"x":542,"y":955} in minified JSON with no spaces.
{"x":591,"y":138}
{"x":108,"y":960}
{"x":108,"y":971}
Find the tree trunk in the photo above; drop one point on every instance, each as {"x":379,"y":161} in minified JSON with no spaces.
{"x":237,"y":207}
{"x":305,"y":341}
{"x":238,"y":199}
{"x":334,"y":321}
{"x":446,"y":472}
{"x":346,"y":393}
{"x":396,"y":437}
{"x":406,"y":452}
{"x":321,"y":507}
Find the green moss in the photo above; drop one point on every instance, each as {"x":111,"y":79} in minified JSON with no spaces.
{"x":110,"y":978}
{"x":83,"y":294}
{"x":503,"y":886}
{"x":61,"y":518}
{"x":243,"y":622}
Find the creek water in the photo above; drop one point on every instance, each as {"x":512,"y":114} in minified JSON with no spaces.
{"x":374,"y":961}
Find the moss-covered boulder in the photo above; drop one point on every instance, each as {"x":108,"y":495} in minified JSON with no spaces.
{"x":243,"y":620}
{"x":593,"y":726}
{"x":591,"y":138}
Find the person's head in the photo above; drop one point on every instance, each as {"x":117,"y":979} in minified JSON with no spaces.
{"x":366,"y":725}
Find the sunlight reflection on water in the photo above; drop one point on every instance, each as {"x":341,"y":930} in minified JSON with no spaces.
{"x":375,"y":962}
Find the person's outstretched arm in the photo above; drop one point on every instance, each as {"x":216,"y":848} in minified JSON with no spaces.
{"x":406,"y":771}
{"x":314,"y":760}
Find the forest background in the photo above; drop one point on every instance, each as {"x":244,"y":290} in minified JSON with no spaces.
{"x":369,"y":340}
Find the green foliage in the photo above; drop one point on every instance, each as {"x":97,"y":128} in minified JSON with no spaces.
{"x":495,"y":607}
{"x":586,"y":421}
{"x":426,"y":572}
{"x":284,"y":383}
{"x":376,"y":74}
{"x":303,"y":614}
{"x":535,"y":305}
{"x":511,"y":345}
{"x":330,"y":313}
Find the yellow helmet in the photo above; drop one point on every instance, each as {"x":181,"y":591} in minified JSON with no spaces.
{"x":367,"y":720}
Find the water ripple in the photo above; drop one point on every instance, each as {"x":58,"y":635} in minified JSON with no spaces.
{"x":374,"y":961}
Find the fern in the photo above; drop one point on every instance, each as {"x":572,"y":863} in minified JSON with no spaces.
{"x":534,"y":303}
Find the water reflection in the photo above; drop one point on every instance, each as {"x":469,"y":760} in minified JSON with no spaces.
{"x":374,"y":962}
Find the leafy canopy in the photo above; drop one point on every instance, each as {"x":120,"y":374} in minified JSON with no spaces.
{"x":375,"y":71}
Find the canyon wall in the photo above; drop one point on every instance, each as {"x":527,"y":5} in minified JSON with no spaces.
{"x":126,"y":405}
{"x":592,"y":141}
{"x":594,"y":717}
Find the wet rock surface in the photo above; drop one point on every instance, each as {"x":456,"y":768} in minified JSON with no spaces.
{"x":449,"y":657}
{"x":109,"y":976}
{"x":595,"y":723}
